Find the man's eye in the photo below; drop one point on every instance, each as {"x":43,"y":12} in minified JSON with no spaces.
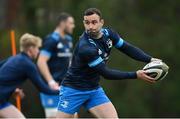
{"x":94,"y":22}
{"x":86,"y":22}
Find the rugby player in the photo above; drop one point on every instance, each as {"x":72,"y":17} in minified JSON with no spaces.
{"x":81,"y":84}
{"x":54,"y":60}
{"x":15,"y":70}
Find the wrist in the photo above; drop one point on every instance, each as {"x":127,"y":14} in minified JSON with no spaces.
{"x":133,"y":75}
{"x":138,"y":72}
{"x":51,"y":82}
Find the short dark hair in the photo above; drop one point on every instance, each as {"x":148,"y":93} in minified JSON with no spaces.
{"x":62,"y":17}
{"x":91,"y":11}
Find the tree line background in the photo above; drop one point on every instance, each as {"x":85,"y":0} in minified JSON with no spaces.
{"x":152,"y":25}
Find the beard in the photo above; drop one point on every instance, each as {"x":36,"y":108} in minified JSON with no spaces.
{"x":93,"y":34}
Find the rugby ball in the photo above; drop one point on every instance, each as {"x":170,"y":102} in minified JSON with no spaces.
{"x":156,"y":69}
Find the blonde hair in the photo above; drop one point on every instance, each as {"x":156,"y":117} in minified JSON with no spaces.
{"x":28,"y":40}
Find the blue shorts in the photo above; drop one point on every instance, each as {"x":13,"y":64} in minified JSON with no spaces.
{"x":49,"y":101}
{"x":72,"y":99}
{"x":4,"y":105}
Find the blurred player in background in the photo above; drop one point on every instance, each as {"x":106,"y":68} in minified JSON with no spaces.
{"x":54,"y":59}
{"x":15,"y":70}
{"x":81,"y":84}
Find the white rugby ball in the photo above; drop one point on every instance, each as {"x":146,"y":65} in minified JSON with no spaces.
{"x":156,"y":69}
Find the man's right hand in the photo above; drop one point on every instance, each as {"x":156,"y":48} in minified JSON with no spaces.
{"x":141,"y":74}
{"x":53,"y":85}
{"x":18,"y":92}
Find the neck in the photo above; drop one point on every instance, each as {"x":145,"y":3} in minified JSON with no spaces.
{"x":60,"y":31}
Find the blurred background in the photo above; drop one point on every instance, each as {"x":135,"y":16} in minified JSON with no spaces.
{"x":152,"y":25}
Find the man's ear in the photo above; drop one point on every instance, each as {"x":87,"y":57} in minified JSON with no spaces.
{"x":84,"y":23}
{"x":62,"y":24}
{"x":102,"y":22}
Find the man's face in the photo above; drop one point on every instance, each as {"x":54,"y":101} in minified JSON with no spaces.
{"x":34,"y":51}
{"x":93,"y":24}
{"x":69,"y":25}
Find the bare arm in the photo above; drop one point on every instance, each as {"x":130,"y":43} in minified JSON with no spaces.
{"x":43,"y":67}
{"x":45,"y":72}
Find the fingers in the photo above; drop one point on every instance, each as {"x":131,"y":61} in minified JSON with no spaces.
{"x":54,"y":86}
{"x":149,"y":79}
{"x":19,"y":92}
{"x":155,"y":59}
{"x":142,"y":75}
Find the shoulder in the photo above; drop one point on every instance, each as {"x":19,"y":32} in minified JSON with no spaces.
{"x":52,"y":38}
{"x":51,"y":41}
{"x":105,"y":31}
{"x":108,"y":31}
{"x":26,"y":61}
{"x":114,"y":36}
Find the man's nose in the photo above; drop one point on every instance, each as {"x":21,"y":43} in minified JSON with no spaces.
{"x":90,"y":26}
